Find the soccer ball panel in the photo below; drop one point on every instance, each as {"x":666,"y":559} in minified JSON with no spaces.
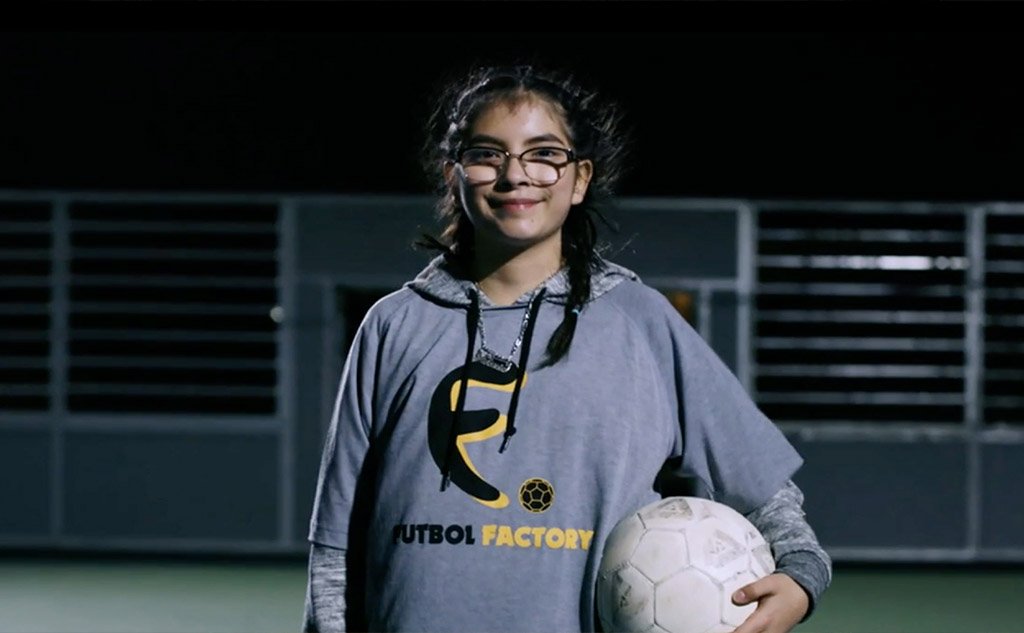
{"x":687,"y":603}
{"x":621,"y":542}
{"x":660,"y":554}
{"x":671,"y":512}
{"x":625,"y":600}
{"x":718,"y":548}
{"x":762,"y":563}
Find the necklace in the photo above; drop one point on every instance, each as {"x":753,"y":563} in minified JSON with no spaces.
{"x":489,"y":357}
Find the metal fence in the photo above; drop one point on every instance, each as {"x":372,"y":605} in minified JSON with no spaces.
{"x":173,"y":333}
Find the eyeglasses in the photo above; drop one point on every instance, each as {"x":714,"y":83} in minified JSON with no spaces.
{"x":544,"y":166}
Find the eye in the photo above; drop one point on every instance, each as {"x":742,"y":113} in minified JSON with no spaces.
{"x":552,"y":155}
{"x":482,"y":156}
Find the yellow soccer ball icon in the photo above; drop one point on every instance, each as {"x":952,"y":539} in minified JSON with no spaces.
{"x":536,"y":495}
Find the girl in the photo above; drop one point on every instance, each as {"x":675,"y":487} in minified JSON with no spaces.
{"x":504,"y":410}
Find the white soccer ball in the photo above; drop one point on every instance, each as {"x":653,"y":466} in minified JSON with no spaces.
{"x":673,"y":566}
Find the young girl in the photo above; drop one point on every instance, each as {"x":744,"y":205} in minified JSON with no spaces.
{"x":504,"y":410}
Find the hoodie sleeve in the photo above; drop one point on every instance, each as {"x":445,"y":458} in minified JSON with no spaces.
{"x":726,"y":446}
{"x":794,"y":545}
{"x":348,"y":441}
{"x":324,"y":611}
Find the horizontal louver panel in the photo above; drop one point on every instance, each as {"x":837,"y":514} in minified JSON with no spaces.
{"x":26,"y":243}
{"x":1004,"y":322}
{"x":860,"y":316}
{"x":170,"y":308}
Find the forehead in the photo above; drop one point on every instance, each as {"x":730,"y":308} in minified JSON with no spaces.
{"x":519,"y":117}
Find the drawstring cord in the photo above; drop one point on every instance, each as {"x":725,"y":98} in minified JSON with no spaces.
{"x":453,"y":433}
{"x":510,"y":427}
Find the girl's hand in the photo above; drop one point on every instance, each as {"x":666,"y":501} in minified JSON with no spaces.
{"x":782,"y":603}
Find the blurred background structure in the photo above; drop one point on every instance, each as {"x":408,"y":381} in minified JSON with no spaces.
{"x":192,"y":225}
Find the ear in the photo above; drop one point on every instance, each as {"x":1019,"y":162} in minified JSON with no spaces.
{"x":584,"y":172}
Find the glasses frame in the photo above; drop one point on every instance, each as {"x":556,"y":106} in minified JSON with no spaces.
{"x":561,"y":169}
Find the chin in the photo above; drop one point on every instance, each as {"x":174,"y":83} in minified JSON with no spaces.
{"x":522,"y":240}
{"x":515,"y":237}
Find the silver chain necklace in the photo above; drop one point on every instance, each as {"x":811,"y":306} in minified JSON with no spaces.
{"x":489,"y":357}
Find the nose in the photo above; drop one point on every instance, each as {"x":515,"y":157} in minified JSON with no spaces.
{"x":513,"y":172}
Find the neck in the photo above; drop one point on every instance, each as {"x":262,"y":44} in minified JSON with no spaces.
{"x":505,"y":275}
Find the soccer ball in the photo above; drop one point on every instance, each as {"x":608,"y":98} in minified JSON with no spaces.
{"x":673,"y":566}
{"x":536,"y":495}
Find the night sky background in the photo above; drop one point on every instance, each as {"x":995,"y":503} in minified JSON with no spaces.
{"x":884,"y":116}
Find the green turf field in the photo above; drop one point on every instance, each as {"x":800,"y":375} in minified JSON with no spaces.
{"x":83,"y":596}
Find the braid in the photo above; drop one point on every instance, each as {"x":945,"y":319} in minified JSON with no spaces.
{"x":579,"y":237}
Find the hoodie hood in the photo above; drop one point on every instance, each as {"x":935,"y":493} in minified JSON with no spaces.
{"x":440,"y":282}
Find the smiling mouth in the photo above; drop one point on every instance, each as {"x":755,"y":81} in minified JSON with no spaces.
{"x":514,"y":204}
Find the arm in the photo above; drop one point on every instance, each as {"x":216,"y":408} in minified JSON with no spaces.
{"x":803,"y":568}
{"x":735,"y":455}
{"x":343,"y":490}
{"x":324,"y":611}
{"x":797,"y":552}
{"x":730,"y":451}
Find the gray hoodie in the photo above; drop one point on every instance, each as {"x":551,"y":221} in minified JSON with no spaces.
{"x":474,"y":496}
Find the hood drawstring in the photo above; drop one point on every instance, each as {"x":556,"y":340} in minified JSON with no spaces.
{"x":472,"y":321}
{"x":510,"y":426}
{"x":471,"y":325}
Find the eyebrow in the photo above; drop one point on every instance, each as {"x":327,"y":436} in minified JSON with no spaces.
{"x":543,"y":138}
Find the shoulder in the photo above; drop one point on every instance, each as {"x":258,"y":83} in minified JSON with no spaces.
{"x":650,"y":312}
{"x":634,"y":290}
{"x":619,"y":285}
{"x":639,"y":302}
{"x":392,"y":308}
{"x":392,"y":302}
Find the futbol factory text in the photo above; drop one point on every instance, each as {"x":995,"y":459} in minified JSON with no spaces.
{"x":493,"y":536}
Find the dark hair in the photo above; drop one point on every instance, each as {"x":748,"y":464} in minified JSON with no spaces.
{"x":594,"y":126}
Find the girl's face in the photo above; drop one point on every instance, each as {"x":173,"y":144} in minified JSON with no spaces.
{"x":512,"y":211}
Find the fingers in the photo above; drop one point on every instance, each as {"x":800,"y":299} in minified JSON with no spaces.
{"x":756,"y":590}
{"x":781,"y":604}
{"x":759,"y":620}
{"x":757,"y":623}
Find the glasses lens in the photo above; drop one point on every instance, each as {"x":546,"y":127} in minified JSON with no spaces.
{"x":481,"y":164}
{"x":480,"y":173}
{"x":544,"y":164}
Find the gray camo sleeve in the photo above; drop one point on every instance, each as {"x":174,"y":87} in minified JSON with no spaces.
{"x":324,"y":610}
{"x":795,"y":547}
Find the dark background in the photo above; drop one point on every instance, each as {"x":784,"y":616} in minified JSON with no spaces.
{"x":920,"y":116}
